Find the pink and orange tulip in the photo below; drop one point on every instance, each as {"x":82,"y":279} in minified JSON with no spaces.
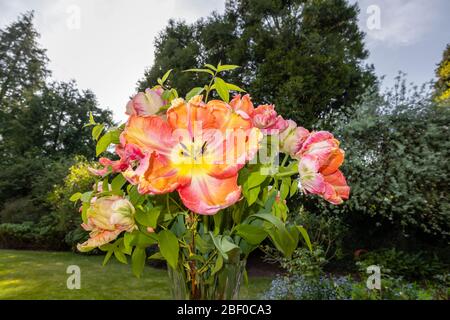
{"x":146,"y":103}
{"x":197,"y":150}
{"x":319,"y":160}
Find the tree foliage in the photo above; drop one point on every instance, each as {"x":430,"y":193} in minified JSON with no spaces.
{"x":41,"y":128}
{"x":442,"y":85}
{"x":307,"y":57}
{"x":23,"y":64}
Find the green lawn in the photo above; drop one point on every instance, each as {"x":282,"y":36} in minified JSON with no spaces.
{"x":42,"y":275}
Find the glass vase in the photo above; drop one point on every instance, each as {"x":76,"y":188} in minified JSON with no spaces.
{"x":222,"y":285}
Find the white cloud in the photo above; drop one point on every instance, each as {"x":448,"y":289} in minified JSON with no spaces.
{"x":114,"y":43}
{"x":402,"y":22}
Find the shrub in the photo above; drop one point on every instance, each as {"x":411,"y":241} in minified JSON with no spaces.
{"x":66,"y":215}
{"x":397,"y":152}
{"x":398,"y":263}
{"x":303,"y":262}
{"x":305,"y":288}
{"x":56,"y":223}
{"x":20,"y":210}
{"x":394,"y":289}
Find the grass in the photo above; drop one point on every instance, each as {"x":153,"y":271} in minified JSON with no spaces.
{"x":42,"y":275}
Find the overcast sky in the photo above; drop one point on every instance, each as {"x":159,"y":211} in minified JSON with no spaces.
{"x":105,"y":45}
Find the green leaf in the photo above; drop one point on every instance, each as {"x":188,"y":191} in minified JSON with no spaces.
{"x":280,"y":236}
{"x":117,"y":183}
{"x":138,"y":261}
{"x":91,"y":118}
{"x":166,"y":95}
{"x":107,"y":256}
{"x":75,"y":197}
{"x":120,"y":256}
{"x":252,"y":234}
{"x":86,"y":197}
{"x":222,"y":89}
{"x":285,"y":188}
{"x":227,"y":67}
{"x":232,"y":87}
{"x":97,"y":130}
{"x":148,"y":218}
{"x":294,"y":187}
{"x":134,"y":196}
{"x":156,"y":256}
{"x":194,"y":92}
{"x":84,"y":209}
{"x":225,"y":247}
{"x":139,"y":239}
{"x":211,"y":67}
{"x":168,"y":245}
{"x":174,"y":93}
{"x":305,"y":236}
{"x":103,"y":143}
{"x":200,"y":70}
{"x":218,"y":265}
{"x":252,"y":195}
{"x":166,"y":75}
{"x":255,"y":179}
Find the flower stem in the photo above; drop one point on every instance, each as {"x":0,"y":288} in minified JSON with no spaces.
{"x":286,"y":174}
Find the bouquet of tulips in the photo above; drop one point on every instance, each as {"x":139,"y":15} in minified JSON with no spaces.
{"x":199,"y":179}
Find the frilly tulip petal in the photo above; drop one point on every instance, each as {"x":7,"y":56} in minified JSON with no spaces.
{"x":242,"y":106}
{"x":310,"y":179}
{"x":292,"y":138}
{"x":337,"y":188}
{"x":207,"y":195}
{"x":149,"y":134}
{"x":98,"y":239}
{"x":266,"y":118}
{"x":160,"y":177}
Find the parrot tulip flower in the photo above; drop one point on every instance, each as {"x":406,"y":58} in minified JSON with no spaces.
{"x":266,"y":118}
{"x":263,"y":117}
{"x":292,"y":138}
{"x":197,"y":150}
{"x":107,"y":217}
{"x":146,"y":103}
{"x":320,"y":158}
{"x":242,"y":106}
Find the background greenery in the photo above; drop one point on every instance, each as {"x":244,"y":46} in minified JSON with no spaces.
{"x":307,"y":57}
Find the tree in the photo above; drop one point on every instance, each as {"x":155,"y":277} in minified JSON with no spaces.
{"x":51,"y":124}
{"x":442,"y":85}
{"x":41,"y":122}
{"x":306,"y":57}
{"x":23,"y":64}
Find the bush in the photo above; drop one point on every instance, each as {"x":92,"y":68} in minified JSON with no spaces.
{"x":29,"y":235}
{"x":395,"y":289}
{"x":64,"y":212}
{"x":303,"y":262}
{"x":20,"y":210}
{"x":397,"y":152}
{"x":325,"y":230}
{"x":397,"y":263}
{"x":305,"y":288}
{"x":56,"y":223}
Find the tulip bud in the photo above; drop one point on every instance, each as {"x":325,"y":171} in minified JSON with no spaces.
{"x":107,"y":217}
{"x":146,"y":104}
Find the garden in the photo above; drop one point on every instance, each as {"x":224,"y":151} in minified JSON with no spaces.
{"x":251,"y":165}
